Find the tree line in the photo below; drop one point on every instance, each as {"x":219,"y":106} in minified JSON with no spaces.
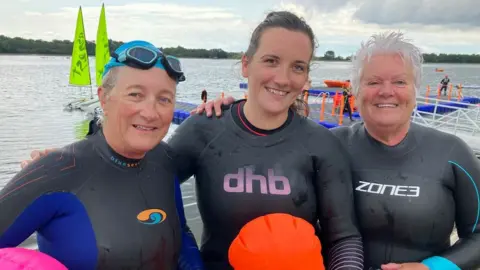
{"x":19,"y":45}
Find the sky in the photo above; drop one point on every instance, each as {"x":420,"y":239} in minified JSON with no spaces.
{"x":436,"y":26}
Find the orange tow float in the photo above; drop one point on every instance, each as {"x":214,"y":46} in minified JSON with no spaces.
{"x":276,"y":242}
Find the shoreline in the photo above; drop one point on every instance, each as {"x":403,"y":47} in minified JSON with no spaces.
{"x":319,"y":60}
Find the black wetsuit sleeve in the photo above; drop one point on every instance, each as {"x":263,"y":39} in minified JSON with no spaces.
{"x":187,"y":148}
{"x":335,"y":199}
{"x":188,"y":142}
{"x":465,"y":252}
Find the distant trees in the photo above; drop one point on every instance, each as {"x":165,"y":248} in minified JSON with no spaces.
{"x":64,"y":47}
{"x":329,"y":55}
{"x":452,"y":58}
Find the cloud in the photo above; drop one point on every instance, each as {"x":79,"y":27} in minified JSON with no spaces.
{"x":324,"y":5}
{"x":341,"y":25}
{"x":164,"y":24}
{"x":455,"y":14}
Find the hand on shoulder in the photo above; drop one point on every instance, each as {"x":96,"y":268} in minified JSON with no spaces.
{"x":213,"y":106}
{"x":35,"y":155}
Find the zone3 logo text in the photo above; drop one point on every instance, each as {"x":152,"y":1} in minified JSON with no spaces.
{"x":393,"y":190}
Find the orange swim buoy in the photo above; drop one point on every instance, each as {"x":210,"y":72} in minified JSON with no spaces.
{"x":276,"y":242}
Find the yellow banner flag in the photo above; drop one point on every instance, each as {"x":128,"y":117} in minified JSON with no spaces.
{"x":102,"y":49}
{"x":80,"y":68}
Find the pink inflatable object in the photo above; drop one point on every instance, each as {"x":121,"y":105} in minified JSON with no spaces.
{"x":26,"y":259}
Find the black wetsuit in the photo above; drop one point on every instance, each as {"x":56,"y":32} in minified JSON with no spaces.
{"x":346,"y":100}
{"x":93,"y":209}
{"x":409,"y":196}
{"x":242,"y":173}
{"x":444,"y":82}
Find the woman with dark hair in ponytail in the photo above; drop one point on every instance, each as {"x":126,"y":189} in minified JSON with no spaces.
{"x":264,"y":156}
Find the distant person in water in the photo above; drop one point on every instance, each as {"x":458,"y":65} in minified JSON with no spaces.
{"x":204,"y":96}
{"x":444,"y":83}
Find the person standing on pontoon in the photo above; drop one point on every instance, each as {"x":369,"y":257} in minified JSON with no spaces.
{"x":444,"y":83}
{"x":346,"y":98}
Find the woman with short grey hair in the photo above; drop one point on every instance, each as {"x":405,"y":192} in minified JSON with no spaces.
{"x":412,"y":183}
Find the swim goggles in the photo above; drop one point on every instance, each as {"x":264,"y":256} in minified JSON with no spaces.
{"x":145,"y":58}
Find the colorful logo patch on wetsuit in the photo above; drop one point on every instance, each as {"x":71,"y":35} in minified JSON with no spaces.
{"x":123,"y":163}
{"x":152,"y":216}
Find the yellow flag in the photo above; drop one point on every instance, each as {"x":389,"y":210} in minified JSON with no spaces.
{"x":80,"y":69}
{"x":102,"y":50}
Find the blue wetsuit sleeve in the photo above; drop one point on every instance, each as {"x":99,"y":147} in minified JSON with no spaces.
{"x":189,"y":258}
{"x":465,"y":168}
{"x":21,"y":197}
{"x":34,"y":217}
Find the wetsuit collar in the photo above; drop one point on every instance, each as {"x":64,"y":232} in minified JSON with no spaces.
{"x":238,"y":115}
{"x":408,"y":144}
{"x":107,"y":153}
{"x":260,"y":141}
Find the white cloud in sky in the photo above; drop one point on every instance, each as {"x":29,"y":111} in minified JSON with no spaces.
{"x":340,"y":27}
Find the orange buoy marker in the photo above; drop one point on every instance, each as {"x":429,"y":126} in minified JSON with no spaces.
{"x":428,"y":93}
{"x":276,"y":242}
{"x":322,"y":110}
{"x":459,"y":93}
{"x":450,"y":88}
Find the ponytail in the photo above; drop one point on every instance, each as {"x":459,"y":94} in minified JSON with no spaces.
{"x":301,"y":107}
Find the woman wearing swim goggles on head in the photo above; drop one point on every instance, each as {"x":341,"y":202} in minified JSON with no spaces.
{"x":142,"y":57}
{"x":110,"y":201}
{"x":265,"y":157}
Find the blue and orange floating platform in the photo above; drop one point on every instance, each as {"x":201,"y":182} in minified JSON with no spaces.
{"x":183,"y":109}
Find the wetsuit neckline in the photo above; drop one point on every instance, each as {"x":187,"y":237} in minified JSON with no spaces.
{"x":256,"y":140}
{"x":240,"y":118}
{"x":107,"y":153}
{"x":408,"y":143}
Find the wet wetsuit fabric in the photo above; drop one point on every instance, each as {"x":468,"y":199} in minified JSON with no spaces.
{"x":340,"y":255}
{"x":189,"y":257}
{"x":93,"y":209}
{"x":409,"y":196}
{"x":241,"y":176}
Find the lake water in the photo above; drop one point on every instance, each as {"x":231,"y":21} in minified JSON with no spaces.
{"x":34,"y":89}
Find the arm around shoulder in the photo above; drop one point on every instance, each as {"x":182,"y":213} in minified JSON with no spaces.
{"x":189,"y":140}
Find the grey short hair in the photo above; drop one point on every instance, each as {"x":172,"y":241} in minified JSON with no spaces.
{"x":391,"y":43}
{"x":110,"y":80}
{"x":108,"y":83}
